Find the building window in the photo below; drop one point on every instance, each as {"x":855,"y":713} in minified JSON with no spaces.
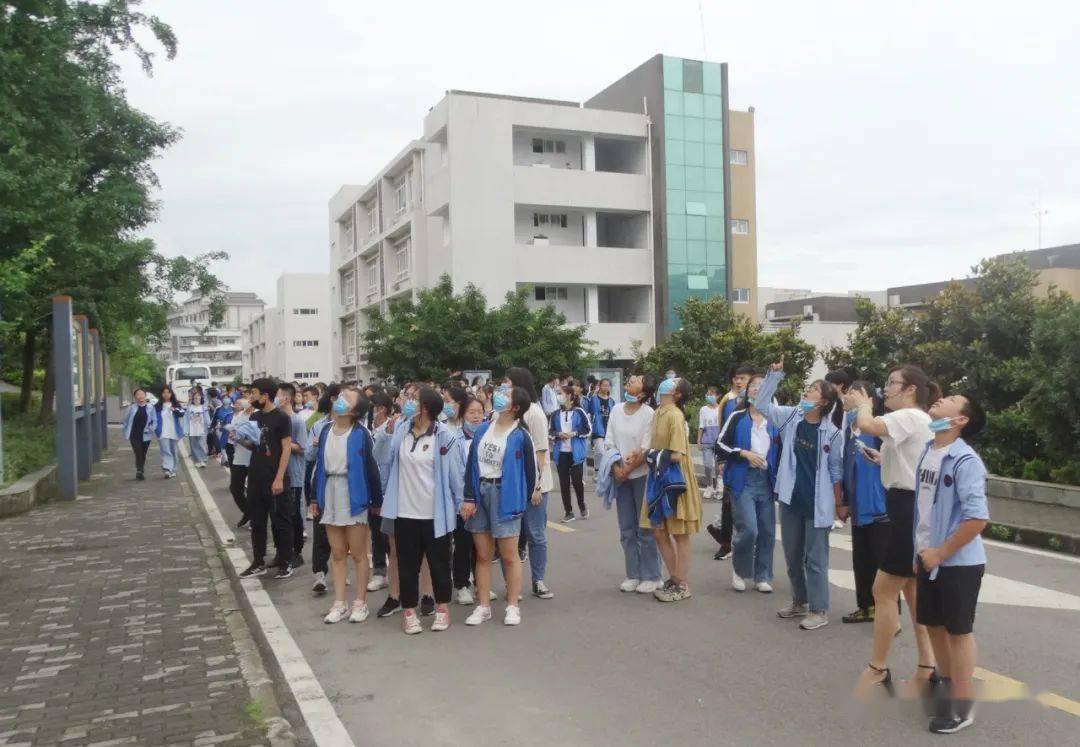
{"x":740,"y":226}
{"x":372,"y":217}
{"x":540,"y":145}
{"x":550,"y":293}
{"x":401,"y":260}
{"x":692,"y":76}
{"x":348,"y":288}
{"x":738,"y":157}
{"x":740,"y":295}
{"x":558,"y":220}
{"x":401,"y":194}
{"x":349,"y":333}
{"x":305,"y":312}
{"x":446,"y":231}
{"x":373,"y":278}
{"x":305,"y":343}
{"x":306,"y":375}
{"x":347,"y":241}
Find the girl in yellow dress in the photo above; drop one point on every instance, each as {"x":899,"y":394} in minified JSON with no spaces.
{"x":673,"y":535}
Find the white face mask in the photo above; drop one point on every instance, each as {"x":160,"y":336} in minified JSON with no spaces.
{"x":560,"y":398}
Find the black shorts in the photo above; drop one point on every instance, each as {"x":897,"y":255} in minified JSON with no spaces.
{"x":898,"y":551}
{"x":949,"y":600}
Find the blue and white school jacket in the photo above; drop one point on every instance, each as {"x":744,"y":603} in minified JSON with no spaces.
{"x":959,"y":496}
{"x":579,"y":444}
{"x":151,"y":421}
{"x":830,"y":453}
{"x":599,"y":428}
{"x":449,"y":466}
{"x":365,"y":486}
{"x":736,"y":436}
{"x":178,"y":415}
{"x":863,"y":491}
{"x":518,"y":476}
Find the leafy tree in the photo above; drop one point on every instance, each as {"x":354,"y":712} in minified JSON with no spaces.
{"x":1054,"y":395}
{"x":714,"y":339}
{"x":442,"y":332}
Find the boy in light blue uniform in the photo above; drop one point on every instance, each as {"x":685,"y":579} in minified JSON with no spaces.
{"x":950,"y":514}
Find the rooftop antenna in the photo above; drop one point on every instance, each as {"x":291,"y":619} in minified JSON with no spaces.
{"x":701,"y":17}
{"x":1039,"y":213}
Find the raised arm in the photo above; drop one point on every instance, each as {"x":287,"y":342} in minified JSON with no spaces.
{"x":775,"y":414}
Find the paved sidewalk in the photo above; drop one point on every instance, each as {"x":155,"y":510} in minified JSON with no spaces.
{"x":112,"y":626}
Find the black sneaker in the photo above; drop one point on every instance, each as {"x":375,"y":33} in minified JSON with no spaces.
{"x":140,"y":476}
{"x":568,"y":517}
{"x":541,"y":591}
{"x":255,"y":569}
{"x":297,"y":561}
{"x":389,"y":607}
{"x":284,"y":571}
{"x":859,"y":616}
{"x":723,"y":553}
{"x":714,"y":532}
{"x":243,"y":522}
{"x":584,"y":513}
{"x":523,"y":554}
{"x":952,"y":723}
{"x":427,"y":606}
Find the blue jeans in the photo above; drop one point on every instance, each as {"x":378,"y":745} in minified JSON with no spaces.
{"x":638,"y":545}
{"x":755,"y":528}
{"x":197,"y":446}
{"x":534,"y":529}
{"x":168,"y":454}
{"x":806,"y":549}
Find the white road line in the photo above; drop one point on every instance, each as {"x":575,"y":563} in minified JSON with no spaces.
{"x":1031,"y":550}
{"x":319,"y":714}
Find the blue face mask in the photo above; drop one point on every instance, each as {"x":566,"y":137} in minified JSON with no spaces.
{"x":448,"y":410}
{"x":941,"y":424}
{"x":710,"y":398}
{"x":806,"y":406}
{"x":504,"y":388}
{"x":667,"y":386}
{"x":629,"y":398}
{"x":409,"y":409}
{"x":499,"y":401}
{"x":341,"y":407}
{"x":469,"y":428}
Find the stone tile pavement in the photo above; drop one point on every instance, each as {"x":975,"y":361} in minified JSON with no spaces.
{"x":112,"y":627}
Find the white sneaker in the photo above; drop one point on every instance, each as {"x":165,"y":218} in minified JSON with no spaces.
{"x":376,"y":583}
{"x":410,"y":621}
{"x":814,"y":620}
{"x":359,"y":613}
{"x":764,"y":587}
{"x":319,"y":586}
{"x":481,"y":614}
{"x":442,"y":621}
{"x":464,"y":596}
{"x":629,"y":584}
{"x":513,"y":615}
{"x":706,"y":494}
{"x":647,"y":587}
{"x":337,"y":613}
{"x":737,"y":583}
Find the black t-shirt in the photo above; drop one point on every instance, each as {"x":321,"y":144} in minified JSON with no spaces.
{"x":266,"y":457}
{"x":605,"y":409}
{"x":138,"y":424}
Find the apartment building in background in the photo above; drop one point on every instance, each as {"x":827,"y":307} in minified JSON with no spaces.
{"x":193,"y":340}
{"x":614,"y":210}
{"x":291,"y":340}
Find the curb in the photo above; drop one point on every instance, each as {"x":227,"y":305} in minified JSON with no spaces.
{"x":291,"y":682}
{"x":1020,"y":535}
{"x":28,"y":491}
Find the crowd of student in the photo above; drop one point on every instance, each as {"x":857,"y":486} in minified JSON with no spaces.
{"x":438,"y":481}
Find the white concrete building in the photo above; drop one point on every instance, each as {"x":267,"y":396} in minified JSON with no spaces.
{"x":192,"y":340}
{"x":291,"y":341}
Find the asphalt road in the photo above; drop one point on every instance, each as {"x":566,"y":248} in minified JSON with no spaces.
{"x":596,"y":666}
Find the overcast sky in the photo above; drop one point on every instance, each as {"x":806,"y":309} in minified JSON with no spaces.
{"x":894,"y":145}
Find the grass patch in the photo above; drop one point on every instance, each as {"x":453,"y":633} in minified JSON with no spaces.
{"x":254,"y":711}
{"x":28,"y":445}
{"x":1001,"y":533}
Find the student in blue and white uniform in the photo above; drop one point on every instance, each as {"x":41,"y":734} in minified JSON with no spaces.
{"x":140,"y":425}
{"x":423,"y":481}
{"x":169,"y":430}
{"x":950,"y":514}
{"x":708,"y":433}
{"x":598,"y":407}
{"x":751,"y":446}
{"x":197,"y":427}
{"x":464,"y":554}
{"x":500,"y":476}
{"x":569,"y":431}
{"x":808,"y":481}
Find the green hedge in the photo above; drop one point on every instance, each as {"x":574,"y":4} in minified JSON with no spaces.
{"x":28,"y":445}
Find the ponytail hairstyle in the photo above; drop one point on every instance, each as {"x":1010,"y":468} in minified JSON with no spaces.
{"x":927,"y":392}
{"x":573,"y":394}
{"x":830,"y":393}
{"x":519,"y":401}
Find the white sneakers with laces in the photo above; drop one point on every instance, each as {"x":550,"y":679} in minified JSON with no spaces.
{"x":442,"y":621}
{"x":764,"y":587}
{"x":377,"y":582}
{"x":464,"y":596}
{"x":338,"y":612}
{"x":737,"y":583}
{"x":647,"y":587}
{"x":513,"y":615}
{"x":629,"y":584}
{"x":359,"y":612}
{"x":410,"y":622}
{"x":481,"y":614}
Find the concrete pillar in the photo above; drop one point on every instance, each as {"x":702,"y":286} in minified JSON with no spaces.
{"x":67,"y":479}
{"x":592,"y":304}
{"x":84,"y":437}
{"x":590,"y":228}
{"x":588,"y":152}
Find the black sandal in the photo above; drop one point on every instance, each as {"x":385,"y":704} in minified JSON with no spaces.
{"x":885,"y":681}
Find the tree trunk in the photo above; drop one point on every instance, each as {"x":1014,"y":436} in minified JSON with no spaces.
{"x":48,"y":391}
{"x":27,"y":370}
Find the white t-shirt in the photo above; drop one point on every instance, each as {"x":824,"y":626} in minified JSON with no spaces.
{"x":759,"y":437}
{"x":196,"y":426}
{"x":490,"y":452}
{"x":168,"y":423}
{"x":566,"y":425}
{"x":907,"y":432}
{"x":628,"y":433}
{"x":336,"y":451}
{"x":537,"y":423}
{"x":928,"y":476}
{"x":416,"y":477}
